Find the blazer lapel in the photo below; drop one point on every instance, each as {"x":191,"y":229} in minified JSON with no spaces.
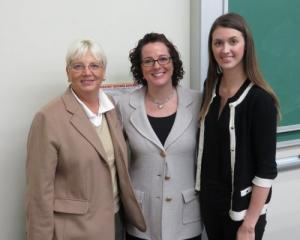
{"x":115,"y":131}
{"x":81,"y":123}
{"x":139,"y":118}
{"x":183,"y":118}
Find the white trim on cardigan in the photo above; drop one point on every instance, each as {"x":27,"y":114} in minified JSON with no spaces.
{"x":232,"y":134}
{"x":239,"y":216}
{"x":200,"y":148}
{"x":262,"y":182}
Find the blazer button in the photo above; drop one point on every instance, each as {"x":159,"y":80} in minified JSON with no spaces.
{"x":167,"y":177}
{"x":168,"y":199}
{"x":163,"y":153}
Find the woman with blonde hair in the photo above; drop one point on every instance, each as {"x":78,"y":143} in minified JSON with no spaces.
{"x":78,"y":185}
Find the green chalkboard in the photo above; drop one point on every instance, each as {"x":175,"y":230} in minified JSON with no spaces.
{"x":275,"y":25}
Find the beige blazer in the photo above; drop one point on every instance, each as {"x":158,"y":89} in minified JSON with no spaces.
{"x":69,"y":188}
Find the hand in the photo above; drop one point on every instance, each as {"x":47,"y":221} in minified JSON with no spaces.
{"x":245,"y":233}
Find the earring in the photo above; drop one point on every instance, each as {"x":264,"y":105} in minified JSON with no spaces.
{"x":219,"y":70}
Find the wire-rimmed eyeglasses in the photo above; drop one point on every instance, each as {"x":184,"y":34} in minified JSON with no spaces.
{"x":80,"y":67}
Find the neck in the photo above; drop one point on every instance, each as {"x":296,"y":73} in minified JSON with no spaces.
{"x":93,"y":105}
{"x":91,"y":101}
{"x":160,"y":97}
{"x":233,"y":78}
{"x":230,"y":83}
{"x":160,"y":93}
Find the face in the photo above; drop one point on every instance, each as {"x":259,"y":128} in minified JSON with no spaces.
{"x":228,"y":47}
{"x":86,"y":75}
{"x":159,"y":74}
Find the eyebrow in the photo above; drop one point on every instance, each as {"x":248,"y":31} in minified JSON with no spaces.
{"x":214,"y":39}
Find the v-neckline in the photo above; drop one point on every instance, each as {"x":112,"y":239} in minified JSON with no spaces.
{"x":231,"y":99}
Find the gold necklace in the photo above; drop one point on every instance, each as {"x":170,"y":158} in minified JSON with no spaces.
{"x":160,"y":104}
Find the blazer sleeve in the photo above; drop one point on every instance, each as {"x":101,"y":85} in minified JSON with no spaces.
{"x":264,"y":139}
{"x":40,"y":173}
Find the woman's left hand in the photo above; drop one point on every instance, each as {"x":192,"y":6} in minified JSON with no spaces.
{"x":245,"y":233}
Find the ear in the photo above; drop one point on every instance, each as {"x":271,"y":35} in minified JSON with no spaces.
{"x":104,"y":77}
{"x":68,"y":71}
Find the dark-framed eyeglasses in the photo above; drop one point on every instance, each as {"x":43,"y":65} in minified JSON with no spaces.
{"x":150,"y":62}
{"x":80,"y":67}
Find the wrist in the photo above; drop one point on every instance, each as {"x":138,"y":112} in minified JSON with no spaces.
{"x":248,"y":227}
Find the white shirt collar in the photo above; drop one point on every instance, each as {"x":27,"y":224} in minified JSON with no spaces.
{"x":105,"y":106}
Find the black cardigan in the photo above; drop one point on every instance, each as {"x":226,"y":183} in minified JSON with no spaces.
{"x":252,"y":146}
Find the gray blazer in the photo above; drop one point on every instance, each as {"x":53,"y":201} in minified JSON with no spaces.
{"x":164,"y":176}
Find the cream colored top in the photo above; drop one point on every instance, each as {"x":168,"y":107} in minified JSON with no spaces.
{"x":105,"y":137}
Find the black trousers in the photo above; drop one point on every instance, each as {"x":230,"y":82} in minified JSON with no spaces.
{"x":119,"y":226}
{"x":218,"y":224}
{"x":129,"y":237}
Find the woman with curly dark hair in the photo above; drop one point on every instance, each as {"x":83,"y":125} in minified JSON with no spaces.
{"x":135,"y":58}
{"x":161,"y":120}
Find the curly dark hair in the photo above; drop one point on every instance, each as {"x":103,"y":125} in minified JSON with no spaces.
{"x":135,"y":57}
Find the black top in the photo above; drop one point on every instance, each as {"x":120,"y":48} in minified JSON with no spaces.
{"x":162,"y":126}
{"x":255,"y":136}
{"x":216,"y":154}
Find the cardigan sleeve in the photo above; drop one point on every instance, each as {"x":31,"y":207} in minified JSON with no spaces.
{"x":264,"y":127}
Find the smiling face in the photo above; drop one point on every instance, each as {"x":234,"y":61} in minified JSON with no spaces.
{"x":228,"y":47}
{"x":159,"y":74}
{"x":86,"y":74}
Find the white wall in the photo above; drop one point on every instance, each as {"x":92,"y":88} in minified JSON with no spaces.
{"x":203,"y":14}
{"x":284,"y":212}
{"x":34,"y":37}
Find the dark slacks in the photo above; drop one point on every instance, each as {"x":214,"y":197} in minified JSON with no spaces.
{"x":129,"y":237}
{"x":218,"y":224}
{"x":119,"y":226}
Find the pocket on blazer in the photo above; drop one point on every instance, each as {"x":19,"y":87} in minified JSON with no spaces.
{"x":191,"y":206}
{"x":71,"y":206}
{"x":140,"y":197}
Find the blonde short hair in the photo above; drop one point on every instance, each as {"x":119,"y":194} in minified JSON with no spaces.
{"x":81,"y":47}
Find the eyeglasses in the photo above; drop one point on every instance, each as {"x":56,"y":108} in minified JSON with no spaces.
{"x":150,"y":62}
{"x":79,"y":67}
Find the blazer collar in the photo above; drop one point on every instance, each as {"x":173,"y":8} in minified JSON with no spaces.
{"x":81,"y":123}
{"x":140,"y":121}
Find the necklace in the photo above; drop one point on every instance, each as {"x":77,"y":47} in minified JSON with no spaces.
{"x":160,"y":104}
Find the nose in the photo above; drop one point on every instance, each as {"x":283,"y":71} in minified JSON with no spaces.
{"x":156,"y":64}
{"x":87,"y":70}
{"x":225,"y":48}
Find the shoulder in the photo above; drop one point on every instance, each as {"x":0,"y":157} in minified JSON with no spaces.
{"x":260,"y":96}
{"x":261,"y":103}
{"x":48,"y":116}
{"x":121,"y":98}
{"x":58,"y":107}
{"x":110,"y":97}
{"x":52,"y":107}
{"x":188,"y":96}
{"x":189,"y":92}
{"x":133,"y":98}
